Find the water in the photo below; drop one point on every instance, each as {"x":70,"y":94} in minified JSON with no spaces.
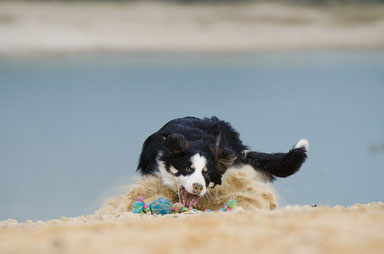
{"x":71,"y":128}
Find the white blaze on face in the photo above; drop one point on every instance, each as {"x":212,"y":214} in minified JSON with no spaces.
{"x":198,"y":163}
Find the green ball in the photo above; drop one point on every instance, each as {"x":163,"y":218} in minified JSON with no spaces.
{"x":161,"y":206}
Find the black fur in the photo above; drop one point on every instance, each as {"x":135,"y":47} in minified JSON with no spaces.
{"x":277,"y":164}
{"x":218,"y":142}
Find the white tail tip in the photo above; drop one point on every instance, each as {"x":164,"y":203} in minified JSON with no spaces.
{"x":303,"y":143}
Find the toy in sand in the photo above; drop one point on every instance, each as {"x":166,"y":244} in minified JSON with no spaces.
{"x":164,"y":206}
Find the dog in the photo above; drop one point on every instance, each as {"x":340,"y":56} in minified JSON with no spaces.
{"x":191,"y":155}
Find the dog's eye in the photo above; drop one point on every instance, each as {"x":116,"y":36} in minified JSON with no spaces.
{"x":190,"y":168}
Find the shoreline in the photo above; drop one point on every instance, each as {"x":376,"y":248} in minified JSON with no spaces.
{"x":40,"y":28}
{"x":146,"y":54}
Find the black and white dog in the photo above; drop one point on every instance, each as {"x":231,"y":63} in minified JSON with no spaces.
{"x":191,"y":154}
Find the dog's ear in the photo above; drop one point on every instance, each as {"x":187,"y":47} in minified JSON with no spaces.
{"x":175,"y":144}
{"x":223,"y":157}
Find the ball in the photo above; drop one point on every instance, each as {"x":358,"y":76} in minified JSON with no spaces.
{"x":161,"y":206}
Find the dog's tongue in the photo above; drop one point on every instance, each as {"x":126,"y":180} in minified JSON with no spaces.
{"x":187,"y":199}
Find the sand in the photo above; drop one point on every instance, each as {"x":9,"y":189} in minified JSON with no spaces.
{"x":256,"y":226}
{"x":67,"y":27}
{"x":245,"y":185}
{"x":356,"y":229}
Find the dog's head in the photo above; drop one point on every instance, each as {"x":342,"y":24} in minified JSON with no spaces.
{"x":194,"y":166}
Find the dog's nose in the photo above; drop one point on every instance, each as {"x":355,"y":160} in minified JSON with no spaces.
{"x":197,"y":188}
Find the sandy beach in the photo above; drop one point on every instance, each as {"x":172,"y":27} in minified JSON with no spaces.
{"x":356,"y":229}
{"x":60,"y":27}
{"x":256,"y":225}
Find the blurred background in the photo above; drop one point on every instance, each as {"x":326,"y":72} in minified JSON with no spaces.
{"x":84,"y":83}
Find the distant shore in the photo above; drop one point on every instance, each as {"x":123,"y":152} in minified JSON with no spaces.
{"x":60,"y":27}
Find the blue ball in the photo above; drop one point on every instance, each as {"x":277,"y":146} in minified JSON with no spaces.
{"x":161,"y":206}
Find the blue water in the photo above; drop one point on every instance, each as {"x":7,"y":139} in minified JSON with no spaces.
{"x":71,"y":128}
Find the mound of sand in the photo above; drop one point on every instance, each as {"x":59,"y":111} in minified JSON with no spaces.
{"x":253,"y":227}
{"x":245,"y":185}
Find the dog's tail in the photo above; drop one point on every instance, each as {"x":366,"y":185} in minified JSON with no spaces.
{"x":278,"y":164}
